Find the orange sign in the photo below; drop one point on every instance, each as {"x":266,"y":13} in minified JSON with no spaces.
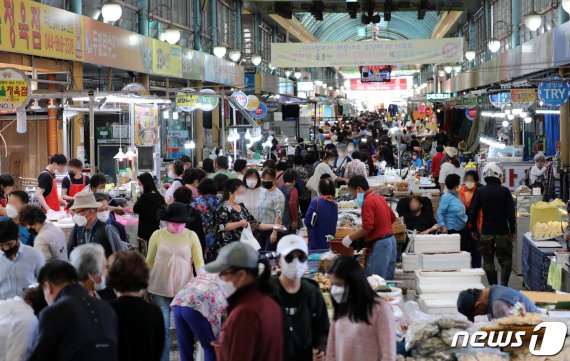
{"x":114,"y":47}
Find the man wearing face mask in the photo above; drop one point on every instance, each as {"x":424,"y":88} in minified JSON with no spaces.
{"x":89,"y":229}
{"x":19,"y":264}
{"x":377,"y":220}
{"x":305,"y":318}
{"x":16,"y":201}
{"x":46,"y":191}
{"x":342,"y":160}
{"x":90,"y":263}
{"x":49,"y":238}
{"x":105,"y":215}
{"x":74,"y":326}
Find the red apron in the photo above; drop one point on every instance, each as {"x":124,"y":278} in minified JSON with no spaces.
{"x":52,"y":199}
{"x":3,"y":200}
{"x":76,"y":188}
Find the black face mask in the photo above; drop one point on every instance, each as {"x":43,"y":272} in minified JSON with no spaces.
{"x":71,"y":174}
{"x":12,"y":251}
{"x":267,"y":184}
{"x":33,"y":232}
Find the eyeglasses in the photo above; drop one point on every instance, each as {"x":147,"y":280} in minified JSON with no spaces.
{"x":300,"y":256}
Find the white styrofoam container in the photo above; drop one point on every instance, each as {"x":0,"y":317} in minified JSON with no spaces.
{"x":410,"y":262}
{"x":444,"y":261}
{"x":438,"y":307}
{"x":428,"y":243}
{"x":447,"y":288}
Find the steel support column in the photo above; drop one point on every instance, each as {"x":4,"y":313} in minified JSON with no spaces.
{"x":143,"y":25}
{"x":214,"y":23}
{"x":197,"y":25}
{"x":515,"y":23}
{"x":239,"y":35}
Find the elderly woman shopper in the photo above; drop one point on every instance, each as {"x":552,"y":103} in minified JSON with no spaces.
{"x":198,"y":311}
{"x":174,"y":255}
{"x":140,"y":338}
{"x":322,"y":216}
{"x":207,"y":204}
{"x":323,"y":169}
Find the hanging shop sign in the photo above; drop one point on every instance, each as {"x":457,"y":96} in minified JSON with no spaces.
{"x":439,"y":96}
{"x":146,"y":125}
{"x":469,"y":101}
{"x":240,"y":98}
{"x":554,"y":92}
{"x":111,"y":46}
{"x":206,"y":101}
{"x":500,"y":100}
{"x":362,"y":53}
{"x":305,"y":86}
{"x":186,"y":100}
{"x":523,"y":98}
{"x":222,"y":71}
{"x":252,"y":103}
{"x":471,"y":113}
{"x":393,"y":84}
{"x":28,"y":27}
{"x":272,"y":105}
{"x":260,"y":112}
{"x":14,"y":90}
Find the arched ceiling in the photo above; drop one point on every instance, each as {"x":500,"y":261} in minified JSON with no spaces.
{"x":339,"y":27}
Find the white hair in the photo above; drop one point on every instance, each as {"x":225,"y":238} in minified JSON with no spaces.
{"x":539,"y":157}
{"x":88,"y":259}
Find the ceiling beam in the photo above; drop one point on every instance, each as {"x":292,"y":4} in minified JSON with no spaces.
{"x":296,"y":29}
{"x":445,"y":23}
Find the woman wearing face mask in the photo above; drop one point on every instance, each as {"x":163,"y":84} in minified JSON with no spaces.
{"x":305,"y":318}
{"x":363,"y":326}
{"x":451,"y":214}
{"x":252,"y":181}
{"x":417,"y":160}
{"x":270,"y":209}
{"x":174,"y":254}
{"x":322,"y":216}
{"x":49,"y":239}
{"x":538,"y":171}
{"x":6,"y":186}
{"x":232,"y":216}
{"x":419,"y":218}
{"x":325,"y":167}
{"x":471,"y":231}
{"x":253,"y":330}
{"x":147,"y":203}
{"x":452,"y":166}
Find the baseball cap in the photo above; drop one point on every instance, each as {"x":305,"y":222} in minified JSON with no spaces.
{"x":185,"y":159}
{"x":234,"y":255}
{"x":466,"y":303}
{"x":291,"y":243}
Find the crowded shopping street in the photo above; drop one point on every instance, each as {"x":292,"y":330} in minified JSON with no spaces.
{"x":259,"y":180}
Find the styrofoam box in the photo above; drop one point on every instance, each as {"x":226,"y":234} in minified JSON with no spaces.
{"x":444,"y":261}
{"x":439,"y":307}
{"x":410,"y":262}
{"x":441,"y":243}
{"x":447,"y":288}
{"x":449,"y":282}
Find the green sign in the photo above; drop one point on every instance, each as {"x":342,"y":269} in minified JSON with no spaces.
{"x":438,"y":96}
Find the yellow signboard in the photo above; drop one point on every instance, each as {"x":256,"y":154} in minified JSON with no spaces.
{"x":29,"y":27}
{"x":166,"y":59}
{"x":14,"y":90}
{"x":186,"y":102}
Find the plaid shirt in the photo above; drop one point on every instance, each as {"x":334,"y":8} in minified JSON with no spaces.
{"x":271,"y":205}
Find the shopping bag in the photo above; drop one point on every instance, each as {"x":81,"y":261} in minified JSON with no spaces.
{"x":248,"y":238}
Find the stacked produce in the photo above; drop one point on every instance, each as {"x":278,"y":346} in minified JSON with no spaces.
{"x":549,"y":230}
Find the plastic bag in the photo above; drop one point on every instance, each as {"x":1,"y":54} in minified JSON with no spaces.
{"x":413,"y":313}
{"x":419,"y":332}
{"x":248,"y":238}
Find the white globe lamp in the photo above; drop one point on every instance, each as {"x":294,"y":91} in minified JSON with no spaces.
{"x":111,"y":12}
{"x":533,"y":21}
{"x":172,"y":35}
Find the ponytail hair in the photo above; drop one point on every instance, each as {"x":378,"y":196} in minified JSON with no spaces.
{"x":455,"y":162}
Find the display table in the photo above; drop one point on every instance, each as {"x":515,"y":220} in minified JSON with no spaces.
{"x":535,"y":264}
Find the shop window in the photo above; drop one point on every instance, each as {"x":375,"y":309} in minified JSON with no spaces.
{"x":248,"y":46}
{"x":480,"y":40}
{"x":226,"y":24}
{"x":266,"y":36}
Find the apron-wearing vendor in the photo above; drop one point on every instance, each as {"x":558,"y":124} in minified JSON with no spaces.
{"x":75,"y":182}
{"x":46,"y":191}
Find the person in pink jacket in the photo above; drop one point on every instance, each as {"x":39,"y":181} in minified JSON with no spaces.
{"x":363,"y":327}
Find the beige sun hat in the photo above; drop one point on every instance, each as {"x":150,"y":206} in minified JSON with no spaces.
{"x":85,"y":200}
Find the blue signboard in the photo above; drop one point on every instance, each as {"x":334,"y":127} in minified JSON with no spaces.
{"x":500,"y":100}
{"x":554,"y":92}
{"x":260,"y":112}
{"x":249,"y":84}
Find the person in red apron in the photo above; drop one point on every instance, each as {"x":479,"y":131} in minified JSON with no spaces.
{"x":6,"y":186}
{"x":75,"y":182}
{"x":46,"y":191}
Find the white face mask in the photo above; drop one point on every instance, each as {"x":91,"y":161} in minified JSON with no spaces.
{"x":101,"y":285}
{"x":251,"y":183}
{"x":227,"y":287}
{"x":240,"y":198}
{"x":79,"y":220}
{"x":103,"y":216}
{"x":11,"y":211}
{"x":469,"y":185}
{"x":337,"y":293}
{"x":294,"y":270}
{"x":171,"y":174}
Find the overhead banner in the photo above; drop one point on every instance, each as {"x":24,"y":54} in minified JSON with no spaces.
{"x":14,"y":90}
{"x":29,"y":27}
{"x":114,"y":47}
{"x":394,"y":84}
{"x":362,"y":53}
{"x":166,"y":59}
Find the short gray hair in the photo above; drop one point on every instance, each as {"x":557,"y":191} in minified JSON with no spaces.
{"x":88,"y":259}
{"x":539,"y":157}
